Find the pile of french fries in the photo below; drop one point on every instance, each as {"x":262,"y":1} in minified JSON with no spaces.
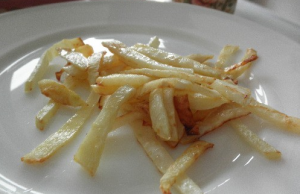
{"x":168,"y":99}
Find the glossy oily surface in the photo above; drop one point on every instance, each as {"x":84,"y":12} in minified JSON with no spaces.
{"x":230,"y":167}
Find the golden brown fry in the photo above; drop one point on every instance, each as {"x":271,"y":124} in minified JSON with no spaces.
{"x":225,"y":55}
{"x":218,"y":117}
{"x":185,"y":114}
{"x":176,"y":60}
{"x":45,"y":114}
{"x":181,"y":164}
{"x":235,"y":93}
{"x":46,"y":58}
{"x":263,"y":147}
{"x":199,"y":101}
{"x":90,"y":151}
{"x":138,"y":60}
{"x":273,"y":116}
{"x":133,"y":80}
{"x":59,"y":93}
{"x":161,"y":158}
{"x":93,"y":66}
{"x":177,"y":84}
{"x":199,"y":57}
{"x":86,"y":50}
{"x":238,"y":69}
{"x":199,"y":79}
{"x":159,"y":116}
{"x":64,"y":135}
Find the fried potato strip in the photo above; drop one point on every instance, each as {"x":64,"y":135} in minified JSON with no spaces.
{"x":181,"y":164}
{"x":253,"y":139}
{"x":90,"y":151}
{"x":46,"y":58}
{"x":65,"y":134}
{"x":161,"y":158}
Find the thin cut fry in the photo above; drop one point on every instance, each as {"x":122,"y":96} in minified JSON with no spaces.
{"x":238,"y":69}
{"x":232,"y":92}
{"x":199,"y":101}
{"x":225,"y":55}
{"x":60,"y":93}
{"x":64,"y":135}
{"x":200,"y":58}
{"x":275,"y":117}
{"x":161,"y":158}
{"x":176,"y":60}
{"x":138,"y":60}
{"x":218,"y":117}
{"x":90,"y":151}
{"x":178,"y":84}
{"x":93,"y":66}
{"x":46,"y":58}
{"x":123,"y":79}
{"x":86,"y":50}
{"x":199,"y":79}
{"x":263,"y":147}
{"x":159,"y":115}
{"x":185,"y":114}
{"x":129,"y":118}
{"x":181,"y":164}
{"x":45,"y":114}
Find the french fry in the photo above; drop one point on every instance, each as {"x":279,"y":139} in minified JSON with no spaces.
{"x":263,"y":147}
{"x":86,"y":50}
{"x":200,"y":58}
{"x":199,"y":101}
{"x":138,"y":60}
{"x":178,"y":84}
{"x":90,"y":151}
{"x":64,"y":135}
{"x":238,"y":69}
{"x":176,"y":127}
{"x":185,"y":114}
{"x":181,"y":164}
{"x":165,"y":97}
{"x":110,"y":61}
{"x":199,"y":79}
{"x":176,"y":60}
{"x":159,"y":115}
{"x":46,"y":58}
{"x":218,"y":117}
{"x":225,"y":55}
{"x":128,"y":118}
{"x":232,"y":92}
{"x":77,"y":59}
{"x":93,"y":66}
{"x":46,"y":114}
{"x":161,"y":158}
{"x":104,"y":90}
{"x":273,"y":116}
{"x":187,"y":139}
{"x":200,"y":115}
{"x":123,"y":79}
{"x":59,"y":93}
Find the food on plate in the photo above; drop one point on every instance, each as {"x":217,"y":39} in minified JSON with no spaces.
{"x":168,"y":99}
{"x":59,"y":93}
{"x":46,"y":58}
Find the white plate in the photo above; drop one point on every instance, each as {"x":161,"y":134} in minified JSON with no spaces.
{"x":230,"y":167}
